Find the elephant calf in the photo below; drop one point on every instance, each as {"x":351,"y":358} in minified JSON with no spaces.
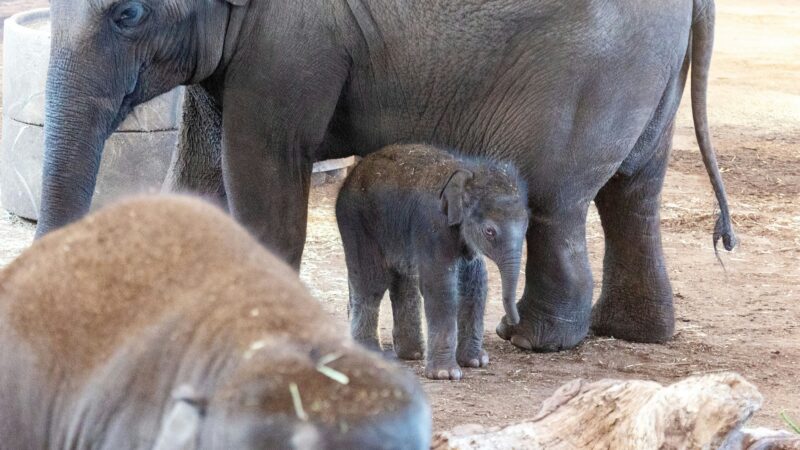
{"x":413,"y":218}
{"x":161,"y":324}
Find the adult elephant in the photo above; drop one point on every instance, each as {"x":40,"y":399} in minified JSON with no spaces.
{"x":581,"y":95}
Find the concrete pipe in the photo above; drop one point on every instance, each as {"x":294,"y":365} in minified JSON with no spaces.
{"x":136,"y":157}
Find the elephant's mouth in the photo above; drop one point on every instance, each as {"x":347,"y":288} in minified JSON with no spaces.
{"x":125,"y":108}
{"x":132,"y":97}
{"x":136,"y":87}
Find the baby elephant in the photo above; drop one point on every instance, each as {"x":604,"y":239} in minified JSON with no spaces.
{"x":161,"y":324}
{"x":415,"y":218}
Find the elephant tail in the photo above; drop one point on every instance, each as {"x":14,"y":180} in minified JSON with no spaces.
{"x":702,"y":46}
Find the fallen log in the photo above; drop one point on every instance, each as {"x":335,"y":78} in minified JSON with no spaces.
{"x":702,"y":412}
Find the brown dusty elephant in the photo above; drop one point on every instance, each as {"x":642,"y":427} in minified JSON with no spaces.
{"x":161,"y":324}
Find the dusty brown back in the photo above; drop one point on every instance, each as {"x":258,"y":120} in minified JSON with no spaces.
{"x":77,"y":294}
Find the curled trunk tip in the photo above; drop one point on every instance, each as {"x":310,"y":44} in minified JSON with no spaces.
{"x":510,"y":275}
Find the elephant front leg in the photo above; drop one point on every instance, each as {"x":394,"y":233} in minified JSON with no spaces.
{"x":556,"y":306}
{"x":268,"y":152}
{"x":268,"y":194}
{"x":472,"y":281}
{"x":439,"y":287}
{"x":636,"y":300}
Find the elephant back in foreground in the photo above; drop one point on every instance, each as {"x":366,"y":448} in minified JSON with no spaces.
{"x":160,"y":323}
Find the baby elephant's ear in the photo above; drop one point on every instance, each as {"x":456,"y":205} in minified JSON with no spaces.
{"x":180,"y":426}
{"x":452,"y":196}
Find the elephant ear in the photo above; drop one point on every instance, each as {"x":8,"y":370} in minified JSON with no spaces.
{"x":181,"y":425}
{"x":453,"y":195}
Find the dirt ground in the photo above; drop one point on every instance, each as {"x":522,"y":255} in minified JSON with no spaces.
{"x":744,"y":317}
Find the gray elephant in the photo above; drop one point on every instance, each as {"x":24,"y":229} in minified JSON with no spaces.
{"x":413,"y":217}
{"x":161,"y":324}
{"x":580,"y":95}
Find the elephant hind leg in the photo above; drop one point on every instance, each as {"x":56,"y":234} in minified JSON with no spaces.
{"x":368,"y":277}
{"x":636,"y":299}
{"x":367,"y":284}
{"x":406,"y":313}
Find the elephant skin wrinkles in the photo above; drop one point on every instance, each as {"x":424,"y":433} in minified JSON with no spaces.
{"x":580,"y":96}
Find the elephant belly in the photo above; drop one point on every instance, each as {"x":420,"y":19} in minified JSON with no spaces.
{"x":566,"y":142}
{"x":566,"y":100}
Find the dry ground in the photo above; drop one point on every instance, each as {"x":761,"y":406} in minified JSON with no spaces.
{"x":745,"y":317}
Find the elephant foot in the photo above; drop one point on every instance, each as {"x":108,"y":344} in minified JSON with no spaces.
{"x":372,"y":344}
{"x":542,"y":332}
{"x":443,"y":370}
{"x":409,"y":350}
{"x":473,"y":358}
{"x":634,"y":319}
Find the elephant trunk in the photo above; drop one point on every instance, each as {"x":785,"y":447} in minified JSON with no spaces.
{"x":82,"y":110}
{"x":509,"y":274}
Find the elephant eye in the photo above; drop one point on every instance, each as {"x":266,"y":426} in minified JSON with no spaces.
{"x":490,"y":232}
{"x":130,"y":14}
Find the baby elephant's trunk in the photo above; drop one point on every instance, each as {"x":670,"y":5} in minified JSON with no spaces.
{"x":509,"y":273}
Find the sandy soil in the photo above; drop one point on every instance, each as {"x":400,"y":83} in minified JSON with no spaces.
{"x":744,"y":317}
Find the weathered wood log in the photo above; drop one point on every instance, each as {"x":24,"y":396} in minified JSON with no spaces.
{"x":704,"y":412}
{"x":761,"y":439}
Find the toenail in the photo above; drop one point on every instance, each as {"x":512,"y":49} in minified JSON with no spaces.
{"x":521,"y":342}
{"x":502,"y":331}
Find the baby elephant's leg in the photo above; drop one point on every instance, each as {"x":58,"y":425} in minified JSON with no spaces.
{"x":364,"y":311}
{"x":439,"y":286}
{"x":472,"y":282}
{"x":368,"y":281}
{"x":406,"y":305}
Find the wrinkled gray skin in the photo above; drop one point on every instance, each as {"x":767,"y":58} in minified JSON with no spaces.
{"x":580,"y":96}
{"x":415,"y":218}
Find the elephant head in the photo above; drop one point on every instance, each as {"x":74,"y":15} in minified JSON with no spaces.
{"x":107,"y":56}
{"x":490,"y":206}
{"x":258,"y":404}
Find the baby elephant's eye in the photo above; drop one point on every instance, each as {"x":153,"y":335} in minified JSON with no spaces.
{"x":130,"y":14}
{"x":490,"y":232}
